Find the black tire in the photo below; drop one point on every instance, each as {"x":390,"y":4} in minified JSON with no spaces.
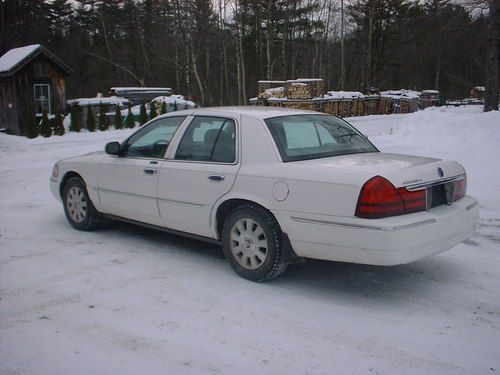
{"x":88,"y":219}
{"x":273,"y":264}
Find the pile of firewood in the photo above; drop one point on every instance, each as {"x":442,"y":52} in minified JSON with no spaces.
{"x":298,"y":90}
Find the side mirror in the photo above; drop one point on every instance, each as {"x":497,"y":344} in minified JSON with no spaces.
{"x":113,"y":148}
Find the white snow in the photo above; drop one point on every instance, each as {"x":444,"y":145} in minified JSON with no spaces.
{"x":398,"y":94}
{"x":128,"y":300}
{"x":172,"y":100}
{"x":14,"y":56}
{"x":343,"y":95}
{"x":111,"y":100}
{"x":139,"y":89}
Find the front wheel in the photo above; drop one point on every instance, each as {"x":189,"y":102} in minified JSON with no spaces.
{"x":78,"y":208}
{"x":252,"y":241}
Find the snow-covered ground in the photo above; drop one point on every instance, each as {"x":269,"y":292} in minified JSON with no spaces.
{"x":127,"y":300}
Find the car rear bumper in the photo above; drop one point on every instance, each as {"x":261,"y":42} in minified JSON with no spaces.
{"x":389,"y":241}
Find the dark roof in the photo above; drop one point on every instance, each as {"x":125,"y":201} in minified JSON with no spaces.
{"x":16,"y":58}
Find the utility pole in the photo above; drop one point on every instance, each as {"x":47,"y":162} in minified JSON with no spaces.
{"x":342,"y":63}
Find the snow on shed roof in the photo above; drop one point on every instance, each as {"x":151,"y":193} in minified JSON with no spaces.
{"x":16,"y":58}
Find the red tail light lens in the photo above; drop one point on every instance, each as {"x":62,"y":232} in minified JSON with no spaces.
{"x":460,"y":189}
{"x":379,"y":198}
{"x":413,"y":201}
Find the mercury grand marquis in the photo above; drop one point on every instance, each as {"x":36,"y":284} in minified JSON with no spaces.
{"x":273,"y":186}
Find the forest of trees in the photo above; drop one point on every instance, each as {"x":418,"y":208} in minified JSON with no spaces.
{"x":215,"y":51}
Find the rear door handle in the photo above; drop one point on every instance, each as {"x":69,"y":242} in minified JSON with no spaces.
{"x":216,"y":177}
{"x":150,"y":171}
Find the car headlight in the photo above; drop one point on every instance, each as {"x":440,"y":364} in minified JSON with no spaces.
{"x":55,"y":171}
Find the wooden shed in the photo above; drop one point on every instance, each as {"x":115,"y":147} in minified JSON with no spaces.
{"x":32,"y":79}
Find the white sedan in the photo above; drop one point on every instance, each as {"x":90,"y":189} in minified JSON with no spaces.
{"x":273,"y":186}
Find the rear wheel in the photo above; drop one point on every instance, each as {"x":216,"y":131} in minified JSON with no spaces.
{"x":78,"y":208}
{"x":252,"y":240}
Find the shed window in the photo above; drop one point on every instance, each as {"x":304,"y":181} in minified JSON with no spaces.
{"x":41,"y":70}
{"x":42,"y":97}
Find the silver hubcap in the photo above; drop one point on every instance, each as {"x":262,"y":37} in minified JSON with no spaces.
{"x":76,"y":204}
{"x":248,"y":243}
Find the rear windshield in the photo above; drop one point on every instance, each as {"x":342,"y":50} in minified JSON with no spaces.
{"x":302,"y":137}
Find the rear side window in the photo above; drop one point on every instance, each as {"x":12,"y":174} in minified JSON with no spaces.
{"x":211,"y":139}
{"x":303,"y":137}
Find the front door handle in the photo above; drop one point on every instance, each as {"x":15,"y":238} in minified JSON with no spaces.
{"x":150,"y":171}
{"x":216,"y":177}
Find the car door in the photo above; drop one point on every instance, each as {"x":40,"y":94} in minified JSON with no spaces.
{"x":128,"y":183}
{"x":202,"y":169}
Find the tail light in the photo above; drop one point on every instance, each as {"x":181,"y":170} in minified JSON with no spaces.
{"x":460,"y":189}
{"x":379,"y":198}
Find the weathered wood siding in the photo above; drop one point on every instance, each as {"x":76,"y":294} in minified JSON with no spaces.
{"x":18,"y":90}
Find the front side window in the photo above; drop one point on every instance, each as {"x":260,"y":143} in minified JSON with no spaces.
{"x":302,"y":137}
{"x":42,"y":98}
{"x":152,"y":141}
{"x":209,"y":139}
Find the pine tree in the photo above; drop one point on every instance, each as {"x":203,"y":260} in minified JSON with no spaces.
{"x":46,"y":128}
{"x":152,"y":111}
{"x":90,"y":120}
{"x":129,"y":120}
{"x":76,"y":111}
{"x":32,"y":128}
{"x":118,"y":118}
{"x":103,"y":117}
{"x":58,"y":124}
{"x":143,"y":117}
{"x":163,"y":108}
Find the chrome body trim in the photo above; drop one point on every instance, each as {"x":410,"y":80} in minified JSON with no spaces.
{"x":148,"y":197}
{"x":181,"y":202}
{"x":363,"y":226}
{"x":428,"y":184}
{"x":123,"y":193}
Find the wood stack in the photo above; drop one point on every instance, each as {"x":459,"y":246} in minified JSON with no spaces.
{"x":298,"y":90}
{"x":358,"y":107}
{"x":384,"y":106}
{"x":345,"y":108}
{"x":332,"y":107}
{"x":302,"y":104}
{"x":405,"y":106}
{"x":371,"y":103}
{"x":304,"y":88}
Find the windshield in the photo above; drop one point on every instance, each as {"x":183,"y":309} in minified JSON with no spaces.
{"x":302,"y":137}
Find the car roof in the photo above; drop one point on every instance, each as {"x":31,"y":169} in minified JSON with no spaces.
{"x":258,"y":112}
